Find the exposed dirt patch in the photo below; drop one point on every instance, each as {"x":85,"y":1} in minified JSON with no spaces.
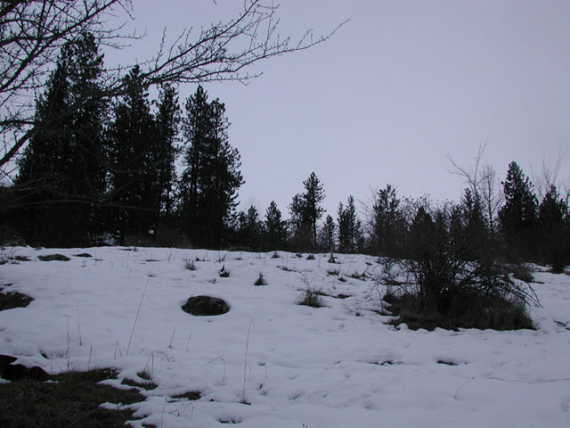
{"x":147,"y":385}
{"x":190,"y":395}
{"x":54,"y":257}
{"x":13,"y":299}
{"x":71,"y":399}
{"x":205,"y":306}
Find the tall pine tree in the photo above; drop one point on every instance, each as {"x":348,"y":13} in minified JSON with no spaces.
{"x":348,"y":227}
{"x":62,"y":173}
{"x":212,"y":177}
{"x":275,"y":228}
{"x":518,"y":215}
{"x":388,"y":223}
{"x":135,"y":175}
{"x":554,"y":230}
{"x":167,"y":123}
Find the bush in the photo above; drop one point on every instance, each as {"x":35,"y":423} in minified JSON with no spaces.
{"x":453,"y":289}
{"x":260,"y":280}
{"x":311,"y":298}
{"x":189,"y":265}
{"x":522,"y":272}
{"x":466,"y":308}
{"x":224,"y":273}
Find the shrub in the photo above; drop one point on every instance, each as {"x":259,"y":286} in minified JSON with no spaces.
{"x":522,"y":272}
{"x":223,"y":272}
{"x":311,"y":298}
{"x":332,"y":259}
{"x":189,"y":265}
{"x":310,"y":257}
{"x":452,"y":289}
{"x":260,"y":280}
{"x":275,"y":255}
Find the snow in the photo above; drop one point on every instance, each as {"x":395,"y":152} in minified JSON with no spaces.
{"x":292,"y":365}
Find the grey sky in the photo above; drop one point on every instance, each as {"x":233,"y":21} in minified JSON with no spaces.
{"x":403,"y":85}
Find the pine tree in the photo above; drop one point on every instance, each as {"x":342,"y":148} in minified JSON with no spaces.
{"x":275,"y":228}
{"x":62,"y":172}
{"x":250,"y":229}
{"x":299,"y":223}
{"x":328,"y":234}
{"x":388,"y":224}
{"x":313,"y":197}
{"x":475,"y":231}
{"x":518,"y":215}
{"x":135,"y":188}
{"x":553,"y":230}
{"x":167,"y":122}
{"x":348,"y":227}
{"x":212,"y":176}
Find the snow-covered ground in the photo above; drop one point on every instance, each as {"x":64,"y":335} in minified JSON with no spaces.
{"x":296,"y":366}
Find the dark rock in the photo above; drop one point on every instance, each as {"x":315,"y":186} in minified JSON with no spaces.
{"x":205,"y":306}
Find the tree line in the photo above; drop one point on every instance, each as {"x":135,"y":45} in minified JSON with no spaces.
{"x":102,"y":170}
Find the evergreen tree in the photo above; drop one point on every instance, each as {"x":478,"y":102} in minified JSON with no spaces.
{"x":348,"y":227}
{"x":388,"y":223}
{"x":328,"y":234}
{"x":553,"y":230}
{"x":135,"y":177}
{"x":518,"y":215}
{"x":275,"y":228}
{"x":300,"y":224}
{"x":62,"y":174}
{"x":212,"y":176}
{"x":475,"y":230}
{"x":250,"y":229}
{"x":312,"y":199}
{"x":305,"y":211}
{"x":167,"y":122}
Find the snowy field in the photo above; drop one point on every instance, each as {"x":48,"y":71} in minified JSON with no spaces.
{"x":294,"y":366}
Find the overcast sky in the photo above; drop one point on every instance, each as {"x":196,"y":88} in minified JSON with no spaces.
{"x":397,"y":90}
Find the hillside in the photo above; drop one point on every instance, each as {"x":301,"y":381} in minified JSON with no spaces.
{"x":270,"y":362}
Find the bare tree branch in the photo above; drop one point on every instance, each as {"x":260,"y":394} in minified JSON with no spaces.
{"x":33,"y":31}
{"x":482,"y":181}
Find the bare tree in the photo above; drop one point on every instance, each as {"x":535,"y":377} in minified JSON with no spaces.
{"x":491,"y":195}
{"x":33,"y":31}
{"x":482,"y":181}
{"x":548,"y":176}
